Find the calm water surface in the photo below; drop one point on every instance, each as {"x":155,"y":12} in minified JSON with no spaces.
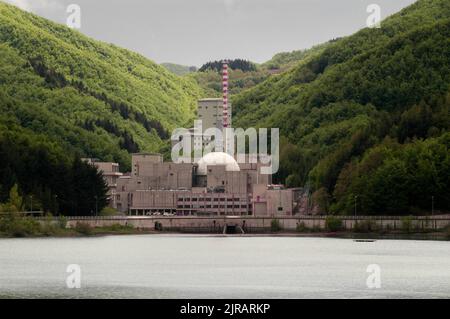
{"x":175,"y":266}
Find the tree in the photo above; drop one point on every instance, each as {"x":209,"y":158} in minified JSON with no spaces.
{"x":321,"y":199}
{"x":15,"y":200}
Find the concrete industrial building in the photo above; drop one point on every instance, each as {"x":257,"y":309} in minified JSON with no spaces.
{"x":216,"y":186}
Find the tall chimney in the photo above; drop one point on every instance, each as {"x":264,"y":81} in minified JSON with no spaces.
{"x":225,"y":93}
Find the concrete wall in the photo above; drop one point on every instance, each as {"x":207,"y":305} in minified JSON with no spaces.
{"x":254,"y":224}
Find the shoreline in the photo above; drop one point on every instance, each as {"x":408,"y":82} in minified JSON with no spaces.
{"x":328,"y":228}
{"x":371,"y":236}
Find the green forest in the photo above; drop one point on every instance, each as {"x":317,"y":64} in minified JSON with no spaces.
{"x":93,"y":97}
{"x":64,"y":96}
{"x":245,"y":74}
{"x":43,"y":177}
{"x":179,"y":69}
{"x":366,"y":119}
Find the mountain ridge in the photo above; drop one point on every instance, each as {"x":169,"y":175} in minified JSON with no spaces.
{"x":145,"y":100}
{"x":360,"y":90}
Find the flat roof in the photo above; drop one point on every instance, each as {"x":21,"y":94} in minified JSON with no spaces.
{"x":211,"y":99}
{"x":150,"y":154}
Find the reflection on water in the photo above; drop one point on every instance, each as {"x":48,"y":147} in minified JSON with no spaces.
{"x":222,"y":267}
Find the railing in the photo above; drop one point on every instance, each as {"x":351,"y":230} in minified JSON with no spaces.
{"x":299,"y":217}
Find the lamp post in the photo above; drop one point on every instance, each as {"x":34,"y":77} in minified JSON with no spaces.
{"x":356,"y":205}
{"x":31,"y":203}
{"x":279,"y":197}
{"x":56,"y":204}
{"x":96,"y":205}
{"x":432,"y":205}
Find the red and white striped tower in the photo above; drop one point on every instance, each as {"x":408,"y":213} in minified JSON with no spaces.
{"x":225,"y":103}
{"x":225,"y":93}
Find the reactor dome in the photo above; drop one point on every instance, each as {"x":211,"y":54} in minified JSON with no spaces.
{"x":217,"y":158}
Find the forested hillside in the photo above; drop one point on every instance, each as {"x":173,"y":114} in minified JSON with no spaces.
{"x":367,"y":119}
{"x":179,"y":69}
{"x":64,"y":96}
{"x":44,"y":177}
{"x":285,"y":60}
{"x":245,"y":75}
{"x":90,"y":97}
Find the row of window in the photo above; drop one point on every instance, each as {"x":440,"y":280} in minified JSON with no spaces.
{"x":214,"y":206}
{"x":209,"y":199}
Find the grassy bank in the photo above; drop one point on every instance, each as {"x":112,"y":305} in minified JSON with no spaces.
{"x":12,"y":226}
{"x":369,"y":229}
{"x":349,"y":234}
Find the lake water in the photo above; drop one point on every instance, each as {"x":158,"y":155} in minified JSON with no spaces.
{"x":177,"y":266}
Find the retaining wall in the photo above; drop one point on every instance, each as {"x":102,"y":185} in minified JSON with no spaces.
{"x":259,"y":224}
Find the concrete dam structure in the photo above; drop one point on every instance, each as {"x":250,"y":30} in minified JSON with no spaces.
{"x":239,"y":225}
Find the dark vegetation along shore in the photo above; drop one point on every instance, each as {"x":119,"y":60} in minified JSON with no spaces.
{"x":13,"y":225}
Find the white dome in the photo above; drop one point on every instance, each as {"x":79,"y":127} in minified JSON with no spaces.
{"x":217,"y":158}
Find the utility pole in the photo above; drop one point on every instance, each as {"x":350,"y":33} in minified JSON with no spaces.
{"x":280,"y":204}
{"x":31,"y":202}
{"x":356,"y":205}
{"x":432,"y":205}
{"x":56,"y":204}
{"x":96,"y":205}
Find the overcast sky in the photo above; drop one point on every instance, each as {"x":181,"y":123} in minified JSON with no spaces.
{"x":192,"y":32}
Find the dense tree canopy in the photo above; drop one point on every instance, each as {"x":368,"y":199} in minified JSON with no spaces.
{"x":43,"y":174}
{"x":394,"y":178}
{"x":236,"y":64}
{"x":345,"y":99}
{"x":94,"y":98}
{"x":364,"y":119}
